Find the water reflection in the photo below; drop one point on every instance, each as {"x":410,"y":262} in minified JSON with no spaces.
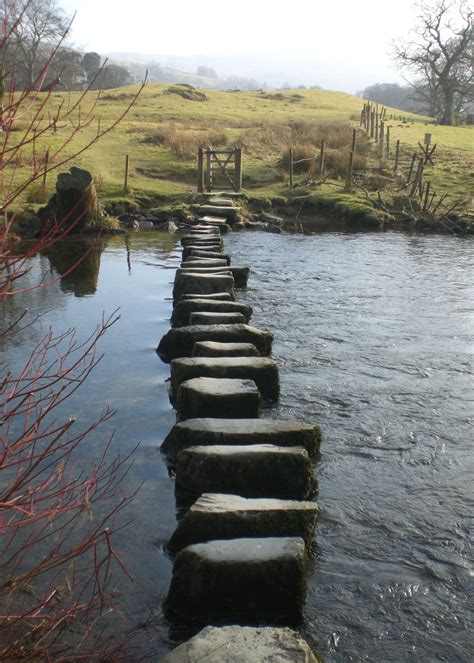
{"x":78,"y":263}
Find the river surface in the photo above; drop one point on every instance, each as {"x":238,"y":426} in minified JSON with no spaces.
{"x":374,"y":339}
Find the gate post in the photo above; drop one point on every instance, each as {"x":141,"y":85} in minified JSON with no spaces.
{"x":209,"y":169}
{"x":238,"y":170}
{"x":200,"y":182}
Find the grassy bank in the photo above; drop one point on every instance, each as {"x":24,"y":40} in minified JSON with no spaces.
{"x":163,"y":130}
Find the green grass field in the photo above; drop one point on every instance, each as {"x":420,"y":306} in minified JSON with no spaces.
{"x":162,"y":131}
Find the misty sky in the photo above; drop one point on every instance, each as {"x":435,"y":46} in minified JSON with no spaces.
{"x":339,"y":44}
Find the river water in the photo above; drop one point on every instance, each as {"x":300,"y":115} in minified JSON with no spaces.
{"x":374,"y":339}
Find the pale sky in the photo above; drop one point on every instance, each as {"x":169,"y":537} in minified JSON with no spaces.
{"x":347,"y":42}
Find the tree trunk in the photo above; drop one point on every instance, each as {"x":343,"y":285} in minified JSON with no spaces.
{"x":448,"y":113}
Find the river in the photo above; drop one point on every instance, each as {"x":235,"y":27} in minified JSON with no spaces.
{"x":374,"y":339}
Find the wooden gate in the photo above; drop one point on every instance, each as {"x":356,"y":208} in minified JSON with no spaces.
{"x":220,"y":170}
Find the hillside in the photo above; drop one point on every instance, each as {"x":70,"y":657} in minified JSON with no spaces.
{"x":163,"y":130}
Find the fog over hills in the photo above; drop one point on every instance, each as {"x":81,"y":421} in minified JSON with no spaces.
{"x":273,"y":70}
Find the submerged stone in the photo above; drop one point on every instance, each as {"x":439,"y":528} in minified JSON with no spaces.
{"x":213,"y":397}
{"x":179,"y":342}
{"x":205,"y":432}
{"x":215,"y":318}
{"x":228,"y":644}
{"x":219,"y":516}
{"x":198,"y":284}
{"x":211,"y":349}
{"x":262,"y":370}
{"x":246,"y":581}
{"x":260,"y":470}
{"x":184,"y":308}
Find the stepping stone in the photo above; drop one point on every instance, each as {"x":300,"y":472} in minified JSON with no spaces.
{"x":204,"y":432}
{"x":215,"y":222}
{"x":219,"y":211}
{"x":202,"y":284}
{"x":218,"y":516}
{"x":184,"y":308}
{"x":204,"y":230}
{"x":201,"y":241}
{"x":216,"y":296}
{"x":244,"y":581}
{"x":220,"y":202}
{"x":262,"y":370}
{"x":214,"y":397}
{"x":214,"y":318}
{"x":203,"y":262}
{"x":259,"y":470}
{"x":240,"y":274}
{"x":208,"y":253}
{"x":212,"y":349}
{"x":226,"y":644}
{"x":179,"y":342}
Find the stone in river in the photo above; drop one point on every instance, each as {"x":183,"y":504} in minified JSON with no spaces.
{"x":244,"y":581}
{"x":215,"y":318}
{"x":184,"y":308}
{"x":203,"y":432}
{"x":226,"y":644}
{"x":189,"y":251}
{"x":214,"y":397}
{"x":260,"y":470}
{"x":220,"y":516}
{"x":212,"y":349}
{"x":262,"y":370}
{"x":198,"y":284}
{"x":179,"y":342}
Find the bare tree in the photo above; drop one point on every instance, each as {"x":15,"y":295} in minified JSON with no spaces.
{"x":440,"y":56}
{"x":38,"y":27}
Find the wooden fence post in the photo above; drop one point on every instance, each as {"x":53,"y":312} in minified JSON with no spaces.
{"x":291,"y":167}
{"x":381,"y":137}
{"x":353,"y":140}
{"x":412,"y":165}
{"x":321,"y":157}
{"x":418,"y":177}
{"x":348,"y":186}
{"x":238,"y":170}
{"x":200,"y":182}
{"x":125,"y":179}
{"x":376,"y":127}
{"x":427,"y":195}
{"x":397,"y":157}
{"x":388,"y":142}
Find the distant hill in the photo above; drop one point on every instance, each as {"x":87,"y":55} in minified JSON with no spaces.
{"x":239,"y":72}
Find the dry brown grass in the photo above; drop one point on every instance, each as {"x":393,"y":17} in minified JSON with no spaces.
{"x":184,"y":142}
